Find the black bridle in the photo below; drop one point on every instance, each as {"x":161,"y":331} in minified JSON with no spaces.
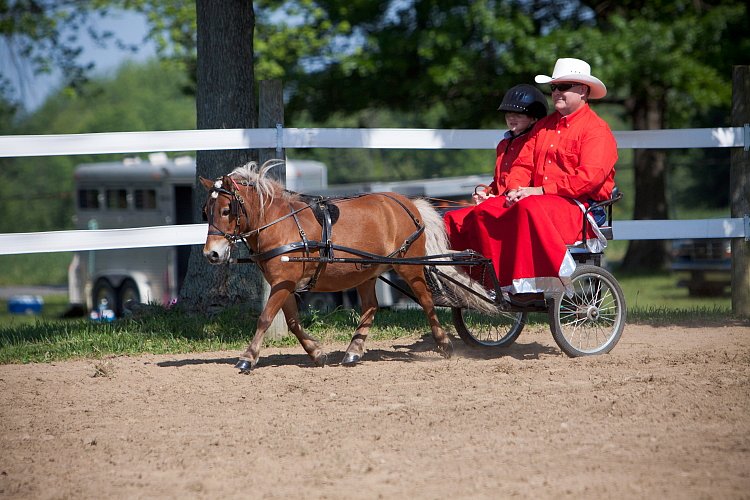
{"x":236,"y":210}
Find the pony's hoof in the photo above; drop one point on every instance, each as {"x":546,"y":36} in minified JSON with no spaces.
{"x":445,"y":350}
{"x":244,"y":366}
{"x":321,"y":360}
{"x":350,"y":359}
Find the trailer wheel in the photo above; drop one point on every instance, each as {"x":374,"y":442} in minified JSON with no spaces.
{"x":128,"y":292}
{"x":320,"y":301}
{"x":103,"y":290}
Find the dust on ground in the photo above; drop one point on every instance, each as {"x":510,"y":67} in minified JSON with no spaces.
{"x":665,"y":415}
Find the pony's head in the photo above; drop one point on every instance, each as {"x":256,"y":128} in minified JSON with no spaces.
{"x":231,"y":211}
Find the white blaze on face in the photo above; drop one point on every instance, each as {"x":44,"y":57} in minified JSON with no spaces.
{"x":217,"y":246}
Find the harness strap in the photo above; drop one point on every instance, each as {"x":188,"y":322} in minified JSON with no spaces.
{"x":413,"y":237}
{"x":326,"y":250}
{"x":325,"y":247}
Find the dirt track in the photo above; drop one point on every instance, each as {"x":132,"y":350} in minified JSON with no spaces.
{"x":666,"y":414}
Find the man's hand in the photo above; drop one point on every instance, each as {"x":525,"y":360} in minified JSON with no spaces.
{"x":516,"y":195}
{"x":481,"y":193}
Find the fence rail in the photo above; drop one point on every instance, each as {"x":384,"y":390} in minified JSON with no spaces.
{"x":280,"y":138}
{"x":376,"y":138}
{"x":195,"y":234}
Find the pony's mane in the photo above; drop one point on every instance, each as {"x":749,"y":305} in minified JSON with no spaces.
{"x":266,"y":187}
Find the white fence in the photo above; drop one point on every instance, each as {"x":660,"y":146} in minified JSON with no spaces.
{"x":192,"y":140}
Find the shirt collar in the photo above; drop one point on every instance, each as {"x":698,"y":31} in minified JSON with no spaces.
{"x":568,"y":120}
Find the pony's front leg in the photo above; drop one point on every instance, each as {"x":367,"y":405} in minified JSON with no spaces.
{"x":309,"y":344}
{"x":369,"y":301}
{"x":279,"y":294}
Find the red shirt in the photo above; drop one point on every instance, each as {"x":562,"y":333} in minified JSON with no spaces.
{"x":507,"y":151}
{"x":572,"y":156}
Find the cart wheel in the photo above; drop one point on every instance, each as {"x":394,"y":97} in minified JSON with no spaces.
{"x":482,"y":330}
{"x":592,"y":320}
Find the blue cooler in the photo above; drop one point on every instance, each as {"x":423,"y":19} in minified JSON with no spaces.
{"x":25,"y":304}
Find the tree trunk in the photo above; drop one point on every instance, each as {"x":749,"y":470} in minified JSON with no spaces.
{"x":650,"y":168}
{"x":225,"y":98}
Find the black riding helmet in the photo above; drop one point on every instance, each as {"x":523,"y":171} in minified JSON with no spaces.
{"x":525,"y":99}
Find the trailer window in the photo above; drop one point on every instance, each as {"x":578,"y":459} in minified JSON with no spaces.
{"x":117,"y":199}
{"x":145,"y":199}
{"x":88,"y":199}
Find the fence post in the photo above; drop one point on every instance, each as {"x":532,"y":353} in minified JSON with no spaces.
{"x":270,"y":114}
{"x":739,"y":192}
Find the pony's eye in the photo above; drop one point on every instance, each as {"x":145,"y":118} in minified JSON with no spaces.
{"x":225,"y":212}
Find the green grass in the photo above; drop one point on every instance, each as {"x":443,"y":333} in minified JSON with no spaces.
{"x":659,"y":291}
{"x":651,"y":298}
{"x":35,"y":269}
{"x":24,"y":339}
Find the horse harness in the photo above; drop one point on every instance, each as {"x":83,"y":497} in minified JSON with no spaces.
{"x":326,"y":213}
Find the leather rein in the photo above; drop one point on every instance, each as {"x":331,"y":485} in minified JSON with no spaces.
{"x":324,"y":246}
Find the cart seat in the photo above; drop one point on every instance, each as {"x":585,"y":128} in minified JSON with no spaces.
{"x":580,"y":251}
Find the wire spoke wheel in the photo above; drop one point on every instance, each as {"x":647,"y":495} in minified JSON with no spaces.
{"x":482,"y":330}
{"x":590,"y":321}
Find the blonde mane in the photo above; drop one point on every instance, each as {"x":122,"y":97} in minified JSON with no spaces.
{"x":266,"y":187}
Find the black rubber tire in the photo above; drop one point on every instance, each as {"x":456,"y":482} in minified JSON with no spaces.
{"x":488,"y":331}
{"x":128,"y":291}
{"x":592,"y":320}
{"x":103,"y":289}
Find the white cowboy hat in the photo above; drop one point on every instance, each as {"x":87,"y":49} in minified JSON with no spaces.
{"x":574,"y":70}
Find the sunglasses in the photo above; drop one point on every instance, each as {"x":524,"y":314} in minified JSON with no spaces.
{"x":562,"y":87}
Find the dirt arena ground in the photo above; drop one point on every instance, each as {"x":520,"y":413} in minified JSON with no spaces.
{"x":665,"y":415}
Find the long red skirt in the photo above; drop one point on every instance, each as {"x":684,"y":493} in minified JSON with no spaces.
{"x":527,"y":243}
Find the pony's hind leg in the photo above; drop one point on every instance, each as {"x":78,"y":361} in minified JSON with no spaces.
{"x":309,"y":344}
{"x":414,"y":275}
{"x":369,"y":301}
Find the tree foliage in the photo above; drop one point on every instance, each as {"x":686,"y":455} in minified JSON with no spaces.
{"x":136,"y":98}
{"x":446,"y":63}
{"x":41,"y":36}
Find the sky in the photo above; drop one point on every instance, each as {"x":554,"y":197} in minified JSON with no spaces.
{"x":128,"y":26}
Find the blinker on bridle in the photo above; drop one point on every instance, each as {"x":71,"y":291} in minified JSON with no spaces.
{"x":236,"y":209}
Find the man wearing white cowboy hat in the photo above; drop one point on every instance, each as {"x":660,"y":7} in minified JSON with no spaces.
{"x":574,"y":152}
{"x":569,"y":158}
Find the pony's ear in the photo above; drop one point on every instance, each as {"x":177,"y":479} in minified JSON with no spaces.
{"x":207,"y":183}
{"x":226,"y":181}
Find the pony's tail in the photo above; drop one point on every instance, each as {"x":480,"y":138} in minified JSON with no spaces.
{"x":437,"y":244}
